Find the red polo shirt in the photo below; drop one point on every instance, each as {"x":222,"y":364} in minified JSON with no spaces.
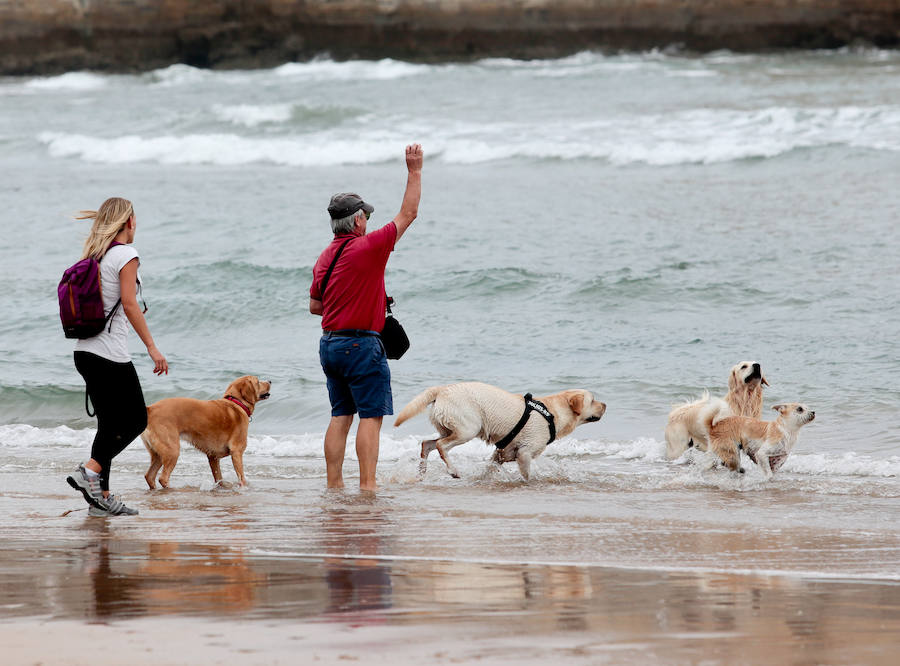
{"x":354,"y":295}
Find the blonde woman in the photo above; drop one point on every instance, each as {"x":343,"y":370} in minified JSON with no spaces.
{"x":104,"y":361}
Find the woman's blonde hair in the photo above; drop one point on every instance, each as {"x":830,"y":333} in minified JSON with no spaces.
{"x":108,"y":222}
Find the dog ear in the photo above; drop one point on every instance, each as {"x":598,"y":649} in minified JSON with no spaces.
{"x":576,"y":403}
{"x":733,"y":380}
{"x":246,"y":390}
{"x":778,"y":408}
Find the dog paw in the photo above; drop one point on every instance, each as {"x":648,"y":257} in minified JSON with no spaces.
{"x":776,"y":462}
{"x":507,"y":455}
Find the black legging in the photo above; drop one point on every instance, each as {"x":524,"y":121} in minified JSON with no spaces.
{"x":118,"y":401}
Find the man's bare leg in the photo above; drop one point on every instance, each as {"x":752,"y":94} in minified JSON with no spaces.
{"x":367,"y":440}
{"x":335,"y":444}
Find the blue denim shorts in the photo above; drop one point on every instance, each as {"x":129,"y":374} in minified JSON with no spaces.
{"x":359,"y":379}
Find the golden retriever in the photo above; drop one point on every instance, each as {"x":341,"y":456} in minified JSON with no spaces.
{"x":461,"y":412}
{"x":767,"y":444}
{"x":687,"y":422}
{"x":216,"y":427}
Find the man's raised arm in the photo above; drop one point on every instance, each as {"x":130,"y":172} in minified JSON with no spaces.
{"x":409,"y":209}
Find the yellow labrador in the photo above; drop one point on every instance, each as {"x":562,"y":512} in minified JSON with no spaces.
{"x":687,"y":422}
{"x":767,"y":444}
{"x":462,"y":412}
{"x":216,"y":427}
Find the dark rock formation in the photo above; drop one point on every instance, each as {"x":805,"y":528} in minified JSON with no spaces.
{"x":42,"y":36}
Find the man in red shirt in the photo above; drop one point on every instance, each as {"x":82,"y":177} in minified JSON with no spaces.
{"x":348,"y":292}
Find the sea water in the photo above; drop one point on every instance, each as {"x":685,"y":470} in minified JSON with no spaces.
{"x":630,"y":224}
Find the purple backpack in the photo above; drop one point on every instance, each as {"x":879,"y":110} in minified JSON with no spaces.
{"x":81,"y":299}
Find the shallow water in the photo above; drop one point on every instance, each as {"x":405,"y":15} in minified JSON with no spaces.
{"x":578,"y":510}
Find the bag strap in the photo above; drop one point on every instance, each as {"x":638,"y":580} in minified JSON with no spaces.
{"x":140,"y":292}
{"x":331,"y":268}
{"x":112,"y":312}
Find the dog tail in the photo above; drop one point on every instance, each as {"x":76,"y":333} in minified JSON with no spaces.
{"x":145,"y":433}
{"x":692,"y":403}
{"x":716,"y":410}
{"x":680,"y":409}
{"x":418,"y":404}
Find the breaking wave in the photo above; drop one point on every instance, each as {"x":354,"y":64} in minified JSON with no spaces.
{"x":638,"y":463}
{"x":697,"y":136}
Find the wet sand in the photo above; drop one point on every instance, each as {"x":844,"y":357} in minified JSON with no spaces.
{"x":487,"y":571}
{"x":182,"y":603}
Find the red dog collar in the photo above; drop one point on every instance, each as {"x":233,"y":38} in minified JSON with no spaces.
{"x":239,"y":404}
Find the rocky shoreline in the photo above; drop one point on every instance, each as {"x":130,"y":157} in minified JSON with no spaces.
{"x":51,"y":36}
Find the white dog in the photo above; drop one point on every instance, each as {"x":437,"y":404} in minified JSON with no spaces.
{"x":767,"y":444}
{"x":687,"y":422}
{"x":461,"y":412}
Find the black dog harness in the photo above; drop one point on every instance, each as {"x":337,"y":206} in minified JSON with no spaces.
{"x":531,"y":405}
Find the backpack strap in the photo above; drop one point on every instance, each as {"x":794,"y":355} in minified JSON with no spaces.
{"x":140,"y":293}
{"x":331,"y":268}
{"x":111,"y":312}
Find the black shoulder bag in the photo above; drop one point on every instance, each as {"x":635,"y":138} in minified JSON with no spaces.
{"x":393,"y":337}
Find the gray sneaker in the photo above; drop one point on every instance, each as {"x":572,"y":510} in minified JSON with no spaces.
{"x":112,"y":506}
{"x":87,"y":486}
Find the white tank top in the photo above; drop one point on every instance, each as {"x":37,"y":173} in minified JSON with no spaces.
{"x":112,"y":342}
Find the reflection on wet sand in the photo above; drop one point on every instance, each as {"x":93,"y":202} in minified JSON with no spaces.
{"x":364,"y":583}
{"x":687,"y":614}
{"x":162,"y":578}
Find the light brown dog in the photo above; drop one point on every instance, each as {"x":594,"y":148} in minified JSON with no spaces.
{"x":216,"y":427}
{"x":687,"y":422}
{"x":461,"y":412}
{"x":767,"y":443}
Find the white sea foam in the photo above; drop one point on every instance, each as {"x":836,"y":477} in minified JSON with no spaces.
{"x":646,"y":454}
{"x":373,"y":70}
{"x":698,"y":136}
{"x":222,"y":149}
{"x":252,"y":115}
{"x":176,"y":75}
{"x":579,"y":64}
{"x":23,"y":436}
{"x":847,"y":464}
{"x":669,"y":62}
{"x":691,"y":73}
{"x":69,"y":81}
